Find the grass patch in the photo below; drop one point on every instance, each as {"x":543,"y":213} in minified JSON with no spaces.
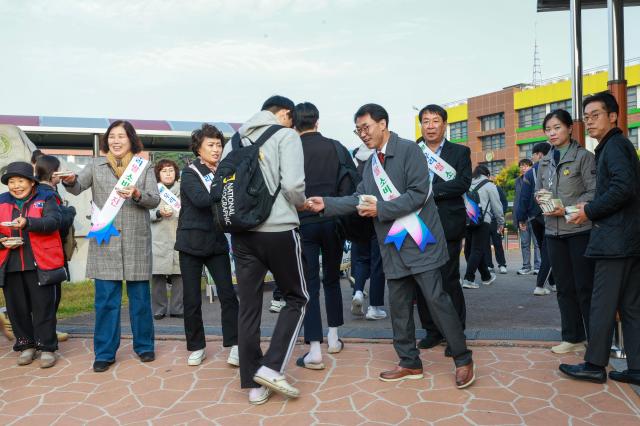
{"x":77,"y":298}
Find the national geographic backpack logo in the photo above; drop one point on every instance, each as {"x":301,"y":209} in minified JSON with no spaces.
{"x":229,"y":179}
{"x":227,"y":200}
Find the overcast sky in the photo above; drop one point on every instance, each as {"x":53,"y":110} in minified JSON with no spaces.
{"x":218,"y":60}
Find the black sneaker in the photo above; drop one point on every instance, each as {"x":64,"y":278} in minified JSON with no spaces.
{"x":430,"y":341}
{"x":147,"y":356}
{"x":102,"y":366}
{"x":158,"y":317}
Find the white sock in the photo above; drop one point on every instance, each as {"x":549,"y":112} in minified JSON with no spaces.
{"x":332,"y":337}
{"x":359,"y":293}
{"x":315,"y":353}
{"x":268,"y":373}
{"x":256,"y":392}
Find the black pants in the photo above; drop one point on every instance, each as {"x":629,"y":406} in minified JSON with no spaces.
{"x":476,"y":240}
{"x":32,"y":311}
{"x":451,"y":285}
{"x":496,"y":239}
{"x":545,"y":265}
{"x":220,"y":269}
{"x":575,"y":283}
{"x":255,"y":254}
{"x":616,"y":286}
{"x":315,"y":237}
{"x":401,"y":294}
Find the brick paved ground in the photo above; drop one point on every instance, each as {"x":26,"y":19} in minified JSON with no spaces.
{"x":516,"y":385}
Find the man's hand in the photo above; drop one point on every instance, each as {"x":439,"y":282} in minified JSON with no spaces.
{"x":69,"y":180}
{"x":558,"y":211}
{"x":522,"y":226}
{"x":580,"y":217}
{"x":314,"y":204}
{"x":369,"y":208}
{"x":500,"y":229}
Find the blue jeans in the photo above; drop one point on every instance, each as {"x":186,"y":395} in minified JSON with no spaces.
{"x":525,"y":247}
{"x":366,"y":263}
{"x":108,"y":297}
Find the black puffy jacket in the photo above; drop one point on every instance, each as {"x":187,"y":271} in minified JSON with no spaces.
{"x":197,"y":234}
{"x":615,"y":209}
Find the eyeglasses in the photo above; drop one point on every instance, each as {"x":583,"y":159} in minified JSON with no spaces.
{"x":592,"y":117}
{"x":359,"y":130}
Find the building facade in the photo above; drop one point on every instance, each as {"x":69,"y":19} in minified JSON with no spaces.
{"x":501,"y":127}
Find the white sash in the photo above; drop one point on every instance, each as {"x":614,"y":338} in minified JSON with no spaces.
{"x":169,"y":197}
{"x":102,"y":219}
{"x":206,"y":180}
{"x":437,"y":165}
{"x":410,"y":224}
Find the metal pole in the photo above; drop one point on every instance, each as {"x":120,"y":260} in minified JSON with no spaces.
{"x":575,"y":12}
{"x":96,"y":145}
{"x":616,"y":40}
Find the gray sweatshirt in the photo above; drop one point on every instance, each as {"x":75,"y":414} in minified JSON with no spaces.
{"x":489,"y":200}
{"x":281,"y":163}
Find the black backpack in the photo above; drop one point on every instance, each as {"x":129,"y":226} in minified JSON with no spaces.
{"x":352,"y":227}
{"x":239,"y":195}
{"x":474,"y":196}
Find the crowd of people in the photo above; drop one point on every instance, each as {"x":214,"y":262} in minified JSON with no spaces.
{"x":406,"y":206}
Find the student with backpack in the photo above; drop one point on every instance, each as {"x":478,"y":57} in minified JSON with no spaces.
{"x":322,"y":170}
{"x":485,"y":194}
{"x":265,"y":158}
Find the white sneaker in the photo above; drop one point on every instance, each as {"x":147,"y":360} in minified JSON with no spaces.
{"x":277,"y":305}
{"x":536,"y":271}
{"x":357,"y":304}
{"x":490,"y":280}
{"x":234,"y":358}
{"x":503,"y":269}
{"x":375,"y":313}
{"x":469,"y":284}
{"x":196,"y":357}
{"x":524,"y":271}
{"x":566,"y":347}
{"x":552,"y":288}
{"x":541,"y":291}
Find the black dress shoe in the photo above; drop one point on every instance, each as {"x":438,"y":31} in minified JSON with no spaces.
{"x":158,"y":317}
{"x":626,"y":376}
{"x":430,"y":341}
{"x":102,"y":366}
{"x":585,"y":371}
{"x":176,"y":316}
{"x":147,"y":356}
{"x":447,"y":352}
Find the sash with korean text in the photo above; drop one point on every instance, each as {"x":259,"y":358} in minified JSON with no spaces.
{"x":169,"y":197}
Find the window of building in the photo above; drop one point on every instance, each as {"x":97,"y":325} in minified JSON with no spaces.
{"x":492,"y":122}
{"x":632,"y":97}
{"x":494,"y":166}
{"x":531,"y":116}
{"x":526,"y":150}
{"x":458,"y":130}
{"x":565,"y":105}
{"x":489,"y":143}
{"x":633,"y":137}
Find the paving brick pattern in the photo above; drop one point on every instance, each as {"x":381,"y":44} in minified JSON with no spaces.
{"x":515,"y":385}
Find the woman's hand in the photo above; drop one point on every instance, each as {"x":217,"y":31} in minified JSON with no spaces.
{"x":130,"y":192}
{"x":11,"y":246}
{"x":20,"y":223}
{"x":166,"y":212}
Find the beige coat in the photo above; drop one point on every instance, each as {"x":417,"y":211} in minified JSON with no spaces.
{"x":163,"y":237}
{"x":127,"y":257}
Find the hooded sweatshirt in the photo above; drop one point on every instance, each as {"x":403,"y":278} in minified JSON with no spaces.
{"x":281,"y":163}
{"x":489,"y":200}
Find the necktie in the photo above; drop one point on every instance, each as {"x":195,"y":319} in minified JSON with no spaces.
{"x":381,"y":157}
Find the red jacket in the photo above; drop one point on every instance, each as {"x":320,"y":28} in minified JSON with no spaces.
{"x":41,"y":235}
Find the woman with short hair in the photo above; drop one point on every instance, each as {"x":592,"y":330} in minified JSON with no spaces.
{"x":164,"y":224}
{"x":121,"y":249}
{"x":201,"y":244}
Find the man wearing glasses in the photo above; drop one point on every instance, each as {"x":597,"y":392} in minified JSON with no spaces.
{"x":614,"y":243}
{"x":396,"y":192}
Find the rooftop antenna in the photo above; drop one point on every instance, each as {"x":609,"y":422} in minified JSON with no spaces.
{"x":536,"y":79}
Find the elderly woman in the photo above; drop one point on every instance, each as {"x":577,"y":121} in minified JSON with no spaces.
{"x":166,"y":265}
{"x":125,"y":256}
{"x":200,"y":244}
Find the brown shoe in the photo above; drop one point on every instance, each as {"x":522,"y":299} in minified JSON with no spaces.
{"x":465,"y":375}
{"x":401,"y":373}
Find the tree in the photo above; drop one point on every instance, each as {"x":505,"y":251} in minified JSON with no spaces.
{"x":506,"y":179}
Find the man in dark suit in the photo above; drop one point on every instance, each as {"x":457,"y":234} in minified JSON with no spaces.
{"x":448,"y":197}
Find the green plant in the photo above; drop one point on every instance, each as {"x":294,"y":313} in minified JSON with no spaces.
{"x":506,"y":179}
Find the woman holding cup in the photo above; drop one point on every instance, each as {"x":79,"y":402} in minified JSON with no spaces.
{"x":164,"y":223}
{"x":566,"y":178}
{"x":123,"y":188}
